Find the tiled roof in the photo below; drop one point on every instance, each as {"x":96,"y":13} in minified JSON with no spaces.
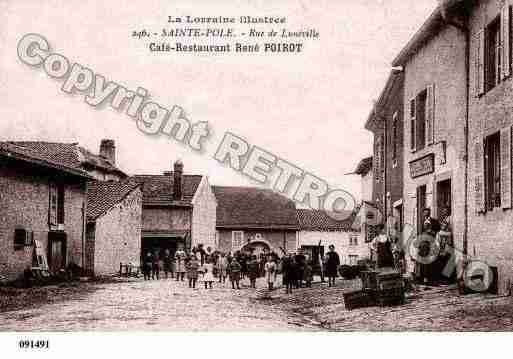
{"x":364,"y":166}
{"x":158,"y":189}
{"x":62,"y":160}
{"x":69,"y":155}
{"x":102,"y":196}
{"x":317,"y":220}
{"x":251,"y":207}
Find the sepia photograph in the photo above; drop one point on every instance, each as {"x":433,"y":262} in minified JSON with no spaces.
{"x":257,"y":168}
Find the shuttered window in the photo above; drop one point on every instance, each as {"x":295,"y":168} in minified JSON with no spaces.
{"x":479,"y":63}
{"x":479,"y":191}
{"x":422,"y":119}
{"x":430,"y":114}
{"x":492,"y":171}
{"x":505,"y":175}
{"x":394,"y":135}
{"x":493,"y":52}
{"x":53,"y":205}
{"x":505,"y":32}
{"x":56,"y":210}
{"x":413,"y":114}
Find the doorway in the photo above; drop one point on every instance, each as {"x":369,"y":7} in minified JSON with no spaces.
{"x":443,"y":200}
{"x":421,"y":205}
{"x":56,"y":251}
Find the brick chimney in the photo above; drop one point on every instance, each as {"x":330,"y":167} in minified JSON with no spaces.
{"x":108,"y":150}
{"x":178,"y":180}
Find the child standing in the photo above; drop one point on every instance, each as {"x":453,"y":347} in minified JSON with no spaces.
{"x":192,"y":271}
{"x":208,"y":273}
{"x":270,"y":270}
{"x":222,"y":268}
{"x":235,"y":273}
{"x":253,"y":271}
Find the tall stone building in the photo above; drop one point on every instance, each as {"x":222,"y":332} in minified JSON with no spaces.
{"x":386,"y":123}
{"x":490,"y":125}
{"x":433,"y":62}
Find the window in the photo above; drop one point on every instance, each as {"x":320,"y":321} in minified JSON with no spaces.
{"x":379,"y":157}
{"x":56,"y":212}
{"x":22,"y":238}
{"x":420,"y":130}
{"x":353,"y":240}
{"x":413,"y":114}
{"x":493,"y":50}
{"x":237,"y":239}
{"x":492,"y":171}
{"x":422,"y":118}
{"x":394,"y":136}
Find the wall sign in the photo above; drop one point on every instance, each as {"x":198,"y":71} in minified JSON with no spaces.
{"x":422,"y":166}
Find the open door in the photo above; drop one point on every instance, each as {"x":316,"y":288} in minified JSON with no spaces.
{"x":56,"y":251}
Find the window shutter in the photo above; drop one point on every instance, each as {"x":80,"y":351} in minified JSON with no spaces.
{"x":52,"y":211}
{"x":505,"y":40}
{"x":413,"y":124}
{"x":430,"y":114}
{"x":479,"y":192}
{"x":479,"y":70}
{"x":505,"y":167}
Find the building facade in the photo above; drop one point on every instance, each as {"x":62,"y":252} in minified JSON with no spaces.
{"x":317,"y":231}
{"x":386,"y":123}
{"x":177,"y":210}
{"x":490,"y":126}
{"x":433,"y":62}
{"x":42,"y":206}
{"x":255,"y":219}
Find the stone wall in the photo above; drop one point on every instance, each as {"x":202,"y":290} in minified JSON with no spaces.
{"x":118,"y":235}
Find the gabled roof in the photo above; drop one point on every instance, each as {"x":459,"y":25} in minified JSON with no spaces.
{"x":364,"y":166}
{"x":102,"y":196}
{"x":427,"y":31}
{"x":391,"y":90}
{"x":62,"y":161}
{"x":253,"y":208}
{"x":158,"y":189}
{"x":318,"y":220}
{"x":69,"y":155}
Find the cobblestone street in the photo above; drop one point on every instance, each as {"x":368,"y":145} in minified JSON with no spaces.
{"x":153,"y":305}
{"x":168,"y":305}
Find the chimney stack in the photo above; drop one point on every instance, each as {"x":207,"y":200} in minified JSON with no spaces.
{"x":178,"y":180}
{"x":108,"y":150}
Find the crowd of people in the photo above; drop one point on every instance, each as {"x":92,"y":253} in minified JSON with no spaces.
{"x":209,"y":267}
{"x":432,"y":252}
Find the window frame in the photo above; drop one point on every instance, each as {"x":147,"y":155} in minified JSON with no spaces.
{"x":234,"y":233}
{"x":492,"y":171}
{"x":394,"y":134}
{"x":493,"y":67}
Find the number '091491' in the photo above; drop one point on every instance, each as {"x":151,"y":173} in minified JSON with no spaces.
{"x":34,"y":344}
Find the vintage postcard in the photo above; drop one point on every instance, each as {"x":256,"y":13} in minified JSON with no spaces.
{"x":291,"y":166}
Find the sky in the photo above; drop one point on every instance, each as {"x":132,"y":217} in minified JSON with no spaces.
{"x":308,"y":109}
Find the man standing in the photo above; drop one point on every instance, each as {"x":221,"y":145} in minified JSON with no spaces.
{"x":332,"y":264}
{"x":300,"y":260}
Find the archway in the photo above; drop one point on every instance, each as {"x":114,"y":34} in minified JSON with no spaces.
{"x":257,"y":247}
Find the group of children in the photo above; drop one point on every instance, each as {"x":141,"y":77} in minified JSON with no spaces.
{"x":219,"y":267}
